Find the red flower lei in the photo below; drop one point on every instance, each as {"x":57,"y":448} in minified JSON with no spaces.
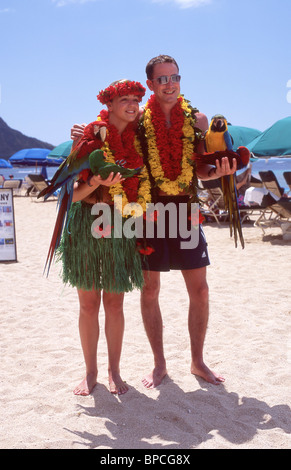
{"x":169,"y":140}
{"x":126,"y":87}
{"x":122,"y":148}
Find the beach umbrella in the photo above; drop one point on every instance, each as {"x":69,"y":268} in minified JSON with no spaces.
{"x":274,"y":141}
{"x":62,"y":150}
{"x":242,"y":135}
{"x":5,"y":164}
{"x":33,"y":156}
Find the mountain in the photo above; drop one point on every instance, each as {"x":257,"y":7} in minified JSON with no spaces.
{"x":11,"y":141}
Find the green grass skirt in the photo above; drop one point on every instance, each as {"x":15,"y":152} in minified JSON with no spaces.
{"x":111,"y":264}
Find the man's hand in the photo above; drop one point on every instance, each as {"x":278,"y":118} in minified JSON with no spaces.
{"x":77,"y":131}
{"x":223,"y":167}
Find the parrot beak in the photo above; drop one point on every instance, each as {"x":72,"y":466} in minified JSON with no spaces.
{"x":101,"y":131}
{"x":218,"y":125}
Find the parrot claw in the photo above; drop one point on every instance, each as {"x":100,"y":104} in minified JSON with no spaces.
{"x":120,"y":162}
{"x":89,"y":181}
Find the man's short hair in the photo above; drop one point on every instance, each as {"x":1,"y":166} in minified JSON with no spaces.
{"x":160,"y":59}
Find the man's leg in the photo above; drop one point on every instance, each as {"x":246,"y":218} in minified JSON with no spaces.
{"x":197,"y":287}
{"x":153,"y":324}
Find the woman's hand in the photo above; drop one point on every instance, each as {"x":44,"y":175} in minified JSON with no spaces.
{"x":96,"y":180}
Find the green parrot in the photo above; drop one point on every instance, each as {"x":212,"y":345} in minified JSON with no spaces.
{"x":85,"y":157}
{"x":100,"y":167}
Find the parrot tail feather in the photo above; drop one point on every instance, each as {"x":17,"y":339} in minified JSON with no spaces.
{"x":231,"y":205}
{"x":58,"y":229}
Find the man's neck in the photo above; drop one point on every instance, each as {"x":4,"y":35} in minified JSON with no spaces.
{"x":166,"y":109}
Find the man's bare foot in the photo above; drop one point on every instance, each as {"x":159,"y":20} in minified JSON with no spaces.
{"x":155,"y":378}
{"x":203,"y":371}
{"x":116,"y":384}
{"x":87,"y":385}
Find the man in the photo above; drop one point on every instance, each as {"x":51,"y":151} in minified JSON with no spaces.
{"x":164,"y":80}
{"x":163,"y":113}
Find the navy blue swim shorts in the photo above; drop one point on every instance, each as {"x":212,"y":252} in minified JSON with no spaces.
{"x":169,"y":253}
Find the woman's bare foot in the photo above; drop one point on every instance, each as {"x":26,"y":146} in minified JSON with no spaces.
{"x":154,"y":378}
{"x":87,"y":385}
{"x":116,"y":384}
{"x":203,"y":371}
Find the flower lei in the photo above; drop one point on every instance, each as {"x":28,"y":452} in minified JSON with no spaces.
{"x":170,"y":150}
{"x":127,"y":147}
{"x":120,"y":88}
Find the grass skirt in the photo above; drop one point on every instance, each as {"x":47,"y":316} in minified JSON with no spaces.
{"x":111,"y":264}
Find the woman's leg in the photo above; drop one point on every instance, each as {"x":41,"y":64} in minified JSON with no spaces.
{"x":89,"y":334}
{"x":114,"y":328}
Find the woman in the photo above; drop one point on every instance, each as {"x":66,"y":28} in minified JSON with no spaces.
{"x":105,"y":264}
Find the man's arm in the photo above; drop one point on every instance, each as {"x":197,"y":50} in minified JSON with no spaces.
{"x":222,"y":168}
{"x":82,"y":191}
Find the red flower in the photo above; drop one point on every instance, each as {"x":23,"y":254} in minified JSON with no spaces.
{"x":194,"y":221}
{"x":169,"y":140}
{"x":120,"y":89}
{"x":123,"y":149}
{"x":151,"y":216}
{"x":146,"y":250}
{"x":103,"y":232}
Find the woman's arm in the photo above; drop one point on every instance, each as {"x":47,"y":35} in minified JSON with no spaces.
{"x":83,"y":190}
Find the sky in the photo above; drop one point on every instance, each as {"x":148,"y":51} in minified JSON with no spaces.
{"x":56,"y":55}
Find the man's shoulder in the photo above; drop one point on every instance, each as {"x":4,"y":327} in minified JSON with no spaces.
{"x":201,"y":121}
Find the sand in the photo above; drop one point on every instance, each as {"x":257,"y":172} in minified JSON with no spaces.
{"x":248,"y":341}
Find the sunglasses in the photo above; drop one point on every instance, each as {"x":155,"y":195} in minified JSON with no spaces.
{"x":165,"y":79}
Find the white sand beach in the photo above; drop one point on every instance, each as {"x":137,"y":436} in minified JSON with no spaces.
{"x":248,"y":341}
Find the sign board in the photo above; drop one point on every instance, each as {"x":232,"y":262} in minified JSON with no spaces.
{"x":7,"y":226}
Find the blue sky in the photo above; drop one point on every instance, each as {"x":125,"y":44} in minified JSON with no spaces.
{"x":56,"y":55}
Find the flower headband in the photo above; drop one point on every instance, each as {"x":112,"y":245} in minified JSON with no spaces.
{"x":126,"y":87}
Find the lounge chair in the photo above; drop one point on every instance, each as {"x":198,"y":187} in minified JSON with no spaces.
{"x":212,"y":200}
{"x":213,"y":204}
{"x":287,"y":176}
{"x":271,"y":183}
{"x":278,"y":212}
{"x":15,"y":185}
{"x":36,"y":183}
{"x":255,"y":182}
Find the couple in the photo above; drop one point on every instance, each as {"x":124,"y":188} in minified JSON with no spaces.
{"x":161,"y":138}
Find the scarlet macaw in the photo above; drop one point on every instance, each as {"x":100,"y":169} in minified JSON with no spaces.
{"x":86,"y":157}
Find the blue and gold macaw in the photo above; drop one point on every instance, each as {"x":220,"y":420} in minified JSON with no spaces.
{"x":85,"y":160}
{"x":219,"y":144}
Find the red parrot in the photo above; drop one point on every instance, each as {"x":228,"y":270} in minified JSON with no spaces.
{"x":86,"y":158}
